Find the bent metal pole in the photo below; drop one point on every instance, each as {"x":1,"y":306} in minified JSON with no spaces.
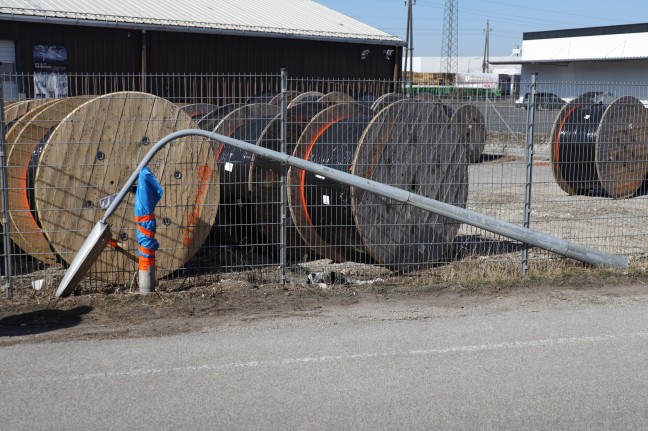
{"x":100,"y":235}
{"x":491,"y":224}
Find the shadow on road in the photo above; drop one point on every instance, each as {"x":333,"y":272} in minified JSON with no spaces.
{"x":38,"y":322}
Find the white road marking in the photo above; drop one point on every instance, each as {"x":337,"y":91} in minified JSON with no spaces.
{"x":550,"y":342}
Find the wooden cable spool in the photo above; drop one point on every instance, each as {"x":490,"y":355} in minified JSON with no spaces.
{"x":90,"y":155}
{"x":210,"y":120}
{"x":431,"y":98}
{"x":27,"y":137}
{"x":471,"y":130}
{"x":335,"y":97}
{"x":308,"y":96}
{"x":18,"y":109}
{"x":600,"y":149}
{"x":386,"y":99}
{"x":290,"y":95}
{"x":320,"y":208}
{"x":410,"y":144}
{"x":622,"y":147}
{"x":198,"y":110}
{"x":263,"y":181}
{"x":247,"y":123}
{"x":563,"y":155}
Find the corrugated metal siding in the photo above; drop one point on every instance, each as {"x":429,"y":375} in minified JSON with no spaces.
{"x":105,"y":51}
{"x":295,"y":17}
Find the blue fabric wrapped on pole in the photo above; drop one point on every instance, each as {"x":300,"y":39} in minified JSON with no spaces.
{"x":148,"y":194}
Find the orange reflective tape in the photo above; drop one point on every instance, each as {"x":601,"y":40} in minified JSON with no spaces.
{"x":146,"y":251}
{"x":147,"y":217}
{"x":146,"y":262}
{"x":146,"y":232}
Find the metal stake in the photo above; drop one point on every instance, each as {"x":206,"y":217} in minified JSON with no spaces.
{"x":529,"y":173}
{"x":5,"y":198}
{"x":283,"y":173}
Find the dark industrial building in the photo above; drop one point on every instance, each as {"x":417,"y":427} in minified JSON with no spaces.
{"x":202,"y":37}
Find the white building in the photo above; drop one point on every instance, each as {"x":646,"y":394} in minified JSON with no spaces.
{"x":574,"y":61}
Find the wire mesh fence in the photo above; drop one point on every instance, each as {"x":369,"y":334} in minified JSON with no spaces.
{"x":224,"y":210}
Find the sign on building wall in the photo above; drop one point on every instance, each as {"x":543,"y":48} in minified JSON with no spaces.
{"x":50,"y":71}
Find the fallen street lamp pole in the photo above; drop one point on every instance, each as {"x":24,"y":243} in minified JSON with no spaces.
{"x":100,"y":235}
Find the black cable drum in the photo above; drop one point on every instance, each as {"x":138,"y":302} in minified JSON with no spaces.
{"x":329,"y":202}
{"x":575,"y":148}
{"x":245,"y":124}
{"x":236,"y":216}
{"x":234,"y":163}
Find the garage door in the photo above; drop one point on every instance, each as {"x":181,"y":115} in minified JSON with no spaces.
{"x":8,"y":69}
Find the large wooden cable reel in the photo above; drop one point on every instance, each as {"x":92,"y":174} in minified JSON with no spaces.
{"x":304,"y":198}
{"x":600,"y":149}
{"x":386,"y":99}
{"x":622,"y":147}
{"x":563,"y":159}
{"x":17,"y":109}
{"x":90,"y":155}
{"x":26,"y":138}
{"x":307,"y":96}
{"x":264,"y":176}
{"x":410,"y":144}
{"x":471,"y":130}
{"x":335,"y":97}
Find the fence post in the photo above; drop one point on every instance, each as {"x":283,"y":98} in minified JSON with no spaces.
{"x":529,"y":171}
{"x":284,"y":170}
{"x":5,"y":198}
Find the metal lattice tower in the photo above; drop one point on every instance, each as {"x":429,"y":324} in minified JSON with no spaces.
{"x":450,"y":38}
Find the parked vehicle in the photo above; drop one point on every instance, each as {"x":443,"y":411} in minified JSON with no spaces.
{"x":600,"y":97}
{"x":543,"y":101}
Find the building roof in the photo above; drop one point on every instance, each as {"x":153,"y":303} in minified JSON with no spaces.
{"x":610,"y":43}
{"x":278,"y":18}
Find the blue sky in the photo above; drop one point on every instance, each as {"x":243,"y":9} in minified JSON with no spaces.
{"x":508,"y":19}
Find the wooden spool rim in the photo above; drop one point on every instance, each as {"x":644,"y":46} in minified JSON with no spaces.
{"x":198,"y":110}
{"x":290,"y":95}
{"x":308,"y":96}
{"x":25,"y":232}
{"x":296,"y":177}
{"x":471,"y":128}
{"x":554,"y":142}
{"x":17,"y":110}
{"x":190,"y":199}
{"x":19,"y":125}
{"x":264,"y":174}
{"x":335,"y":97}
{"x":239,"y":117}
{"x":385,"y":100}
{"x":263,"y":139}
{"x":637,"y":126}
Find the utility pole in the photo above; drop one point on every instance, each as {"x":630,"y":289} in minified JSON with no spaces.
{"x":409,"y":48}
{"x":486,"y":49}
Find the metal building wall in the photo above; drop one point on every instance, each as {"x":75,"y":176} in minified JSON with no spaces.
{"x":119,"y":50}
{"x":616,"y":77}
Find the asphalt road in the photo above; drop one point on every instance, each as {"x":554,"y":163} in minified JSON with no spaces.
{"x":573,"y":360}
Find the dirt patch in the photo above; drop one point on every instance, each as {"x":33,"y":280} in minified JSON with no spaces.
{"x":191,"y":305}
